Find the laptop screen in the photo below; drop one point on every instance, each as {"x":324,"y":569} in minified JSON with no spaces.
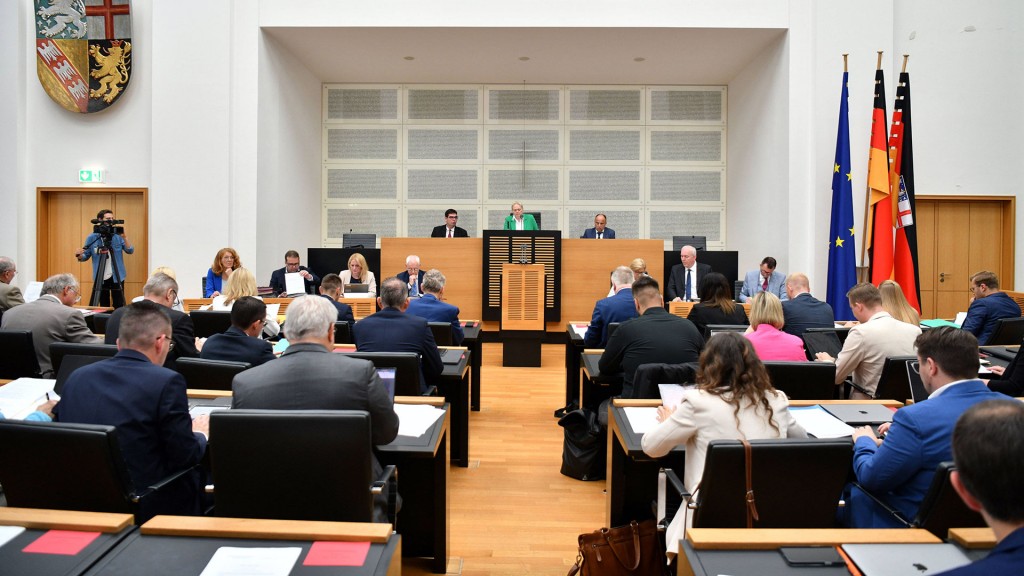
{"x":387,"y":376}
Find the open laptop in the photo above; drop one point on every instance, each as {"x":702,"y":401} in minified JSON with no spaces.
{"x":357,"y":288}
{"x":387,"y":376}
{"x":860,"y":414}
{"x":900,"y":559}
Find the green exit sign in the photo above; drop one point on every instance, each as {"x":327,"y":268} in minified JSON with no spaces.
{"x":90,"y":176}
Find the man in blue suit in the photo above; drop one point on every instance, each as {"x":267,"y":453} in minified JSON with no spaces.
{"x":113,"y":274}
{"x":392,"y":330}
{"x":802,"y":311}
{"x":989,"y":306}
{"x":412,"y":275}
{"x":146,"y":403}
{"x":617,"y":308}
{"x":987,"y":443}
{"x":331,"y":288}
{"x":600,"y":230}
{"x":242,"y":341}
{"x":431,"y":307}
{"x":899,"y":469}
{"x":764,"y":279}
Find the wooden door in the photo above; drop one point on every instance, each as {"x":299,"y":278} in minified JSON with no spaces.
{"x":63,"y":224}
{"x":957,"y":237}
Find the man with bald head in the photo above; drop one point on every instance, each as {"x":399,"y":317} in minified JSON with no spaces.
{"x":686,"y":276}
{"x":803,"y":311}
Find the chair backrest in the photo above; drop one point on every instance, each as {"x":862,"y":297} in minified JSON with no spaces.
{"x":406,"y":365}
{"x":63,"y":466}
{"x":58,"y":350}
{"x":803,"y":380}
{"x":99,"y":322}
{"x":648,"y":376}
{"x":1008,"y":332}
{"x":69,"y":365}
{"x":206,"y":323}
{"x":712,"y":329}
{"x":209,"y":374}
{"x":821,"y":341}
{"x":737,"y":287}
{"x":612,"y":327}
{"x":780,"y":469}
{"x":442,"y":333}
{"x":942,"y":508}
{"x":292,"y":464}
{"x":19,"y":358}
{"x":342,"y":332}
{"x":698,"y":242}
{"x":894,"y":384}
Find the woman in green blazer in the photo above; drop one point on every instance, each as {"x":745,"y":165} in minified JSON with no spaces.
{"x":517,"y":214}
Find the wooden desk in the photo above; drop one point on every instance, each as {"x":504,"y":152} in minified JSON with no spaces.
{"x":454,"y":385}
{"x":710,"y":551}
{"x":175,"y":545}
{"x":595,"y":387}
{"x":361,"y":307}
{"x":113,"y":528}
{"x":973,"y":538}
{"x":471,"y":340}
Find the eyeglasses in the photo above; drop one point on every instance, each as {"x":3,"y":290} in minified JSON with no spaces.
{"x":916,"y":367}
{"x":170,"y":343}
{"x":78,"y":295}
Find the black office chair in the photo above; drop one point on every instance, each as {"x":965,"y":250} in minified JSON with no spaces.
{"x":58,"y":350}
{"x":1008,"y":332}
{"x":63,"y":466}
{"x":68,"y":366}
{"x":206,"y":323}
{"x":803,"y":380}
{"x":894,"y":383}
{"x":612,"y":327}
{"x":648,"y":376}
{"x":19,"y":357}
{"x":442,"y":333}
{"x":941,"y":509}
{"x":406,"y":365}
{"x":99,"y":322}
{"x":342,"y":332}
{"x":779,"y":471}
{"x":296,"y":465}
{"x":698,"y":242}
{"x":209,"y":374}
{"x":737,"y":287}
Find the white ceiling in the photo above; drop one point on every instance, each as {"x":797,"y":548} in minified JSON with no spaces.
{"x":556,"y":55}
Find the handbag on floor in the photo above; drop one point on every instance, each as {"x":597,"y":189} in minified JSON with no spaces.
{"x":631,"y":550}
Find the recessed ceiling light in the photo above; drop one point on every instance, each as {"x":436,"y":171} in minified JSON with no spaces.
{"x":409,"y":57}
{"x":639,"y":59}
{"x":524,"y":58}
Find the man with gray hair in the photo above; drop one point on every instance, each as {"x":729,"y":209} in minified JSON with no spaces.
{"x":163,"y":290}
{"x":617,"y":308}
{"x":51,"y":318}
{"x":392,"y":330}
{"x":10,"y":295}
{"x":309,"y":377}
{"x":432,"y":307}
{"x":412,"y":275}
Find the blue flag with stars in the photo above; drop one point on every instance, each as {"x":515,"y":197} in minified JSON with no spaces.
{"x":842,"y":264}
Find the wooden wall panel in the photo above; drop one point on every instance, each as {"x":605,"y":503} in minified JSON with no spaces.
{"x":460,"y":260}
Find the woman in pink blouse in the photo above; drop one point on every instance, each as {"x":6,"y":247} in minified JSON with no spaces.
{"x":769,"y":341}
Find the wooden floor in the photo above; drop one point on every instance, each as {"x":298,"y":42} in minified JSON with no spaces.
{"x":512,"y":512}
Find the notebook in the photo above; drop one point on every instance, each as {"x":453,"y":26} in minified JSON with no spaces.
{"x":901,"y":559}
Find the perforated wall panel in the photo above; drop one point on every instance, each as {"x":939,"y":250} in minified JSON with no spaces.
{"x":626,"y":223}
{"x":687,"y":105}
{"x":362,"y":144}
{"x":604,"y":145}
{"x":686,"y":186}
{"x":508,"y":185}
{"x":380,"y":221}
{"x":665,"y":224}
{"x":603,"y":105}
{"x":686,"y":146}
{"x":444,"y":105}
{"x":438,"y":184}
{"x":508,"y":144}
{"x":421,"y":222}
{"x":604,"y":185}
{"x":362,"y":183}
{"x":523,"y":105}
{"x":443,"y":144}
{"x":362,"y":104}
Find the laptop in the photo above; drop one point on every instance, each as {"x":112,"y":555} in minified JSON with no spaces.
{"x":357,"y":288}
{"x":387,"y":376}
{"x":900,"y":559}
{"x":449,"y":356}
{"x":860,"y":414}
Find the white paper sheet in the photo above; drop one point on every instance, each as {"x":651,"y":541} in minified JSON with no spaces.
{"x":641,"y":418}
{"x":33,"y":291}
{"x":415,"y":419}
{"x":960,"y":317}
{"x":197,"y":411}
{"x":272,"y":310}
{"x":819,"y":423}
{"x":20,"y":397}
{"x":230,"y":561}
{"x":672,"y":394}
{"x":580,"y":329}
{"x":8,"y":533}
{"x":294,"y":283}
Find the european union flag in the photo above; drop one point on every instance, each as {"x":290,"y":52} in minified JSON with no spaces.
{"x":842,"y":264}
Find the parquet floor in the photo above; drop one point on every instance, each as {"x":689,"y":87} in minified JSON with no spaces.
{"x":512,"y":512}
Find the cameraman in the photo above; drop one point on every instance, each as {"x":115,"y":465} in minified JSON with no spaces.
{"x":118,"y":244}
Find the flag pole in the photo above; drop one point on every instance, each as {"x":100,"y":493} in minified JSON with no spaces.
{"x":905,"y":58}
{"x":868,"y":224}
{"x":844,"y":63}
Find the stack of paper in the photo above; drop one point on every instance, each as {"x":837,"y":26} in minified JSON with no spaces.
{"x":21,"y":397}
{"x":415,"y":419}
{"x":641,"y":418}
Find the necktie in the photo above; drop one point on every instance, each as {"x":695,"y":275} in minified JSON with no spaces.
{"x":449,"y":232}
{"x":600,"y":235}
{"x":764,"y":286}
{"x":687,"y":285}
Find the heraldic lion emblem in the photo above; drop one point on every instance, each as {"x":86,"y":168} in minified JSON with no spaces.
{"x":111,"y":69}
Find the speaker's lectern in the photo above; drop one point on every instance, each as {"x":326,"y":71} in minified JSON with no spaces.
{"x":522,"y":313}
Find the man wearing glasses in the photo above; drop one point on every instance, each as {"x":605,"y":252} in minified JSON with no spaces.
{"x":292,"y":266}
{"x":51,"y":318}
{"x":163,"y":290}
{"x":449,"y":228}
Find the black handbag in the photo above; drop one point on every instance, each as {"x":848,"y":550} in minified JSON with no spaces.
{"x":584,"y":446}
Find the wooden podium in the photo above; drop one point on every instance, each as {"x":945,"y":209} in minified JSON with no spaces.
{"x":522,"y":314}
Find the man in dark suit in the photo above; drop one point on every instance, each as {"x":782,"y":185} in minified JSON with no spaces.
{"x":990,"y":304}
{"x":617,"y":308}
{"x":654,"y":337}
{"x":802,"y":311}
{"x":987,"y":443}
{"x":308,"y":376}
{"x":291,"y":266}
{"x":163,"y":290}
{"x":242,"y":342}
{"x":147,"y":405}
{"x":330,"y":288}
{"x":392,"y":330}
{"x":51,"y":319}
{"x":449,"y":229}
{"x":10,"y":295}
{"x":433,"y":309}
{"x":599,"y":231}
{"x":684,"y":278}
{"x":412,"y":275}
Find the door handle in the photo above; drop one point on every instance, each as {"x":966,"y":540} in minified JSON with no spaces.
{"x":942,"y":276}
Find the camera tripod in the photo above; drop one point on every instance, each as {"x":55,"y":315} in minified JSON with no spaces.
{"x":102,"y":257}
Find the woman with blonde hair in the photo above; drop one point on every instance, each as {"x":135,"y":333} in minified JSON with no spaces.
{"x":219,"y":275}
{"x":358,"y":273}
{"x":639,"y":268}
{"x":166,"y":271}
{"x":243,"y":283}
{"x":765,"y":333}
{"x":896,"y":304}
{"x":734,"y":399}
